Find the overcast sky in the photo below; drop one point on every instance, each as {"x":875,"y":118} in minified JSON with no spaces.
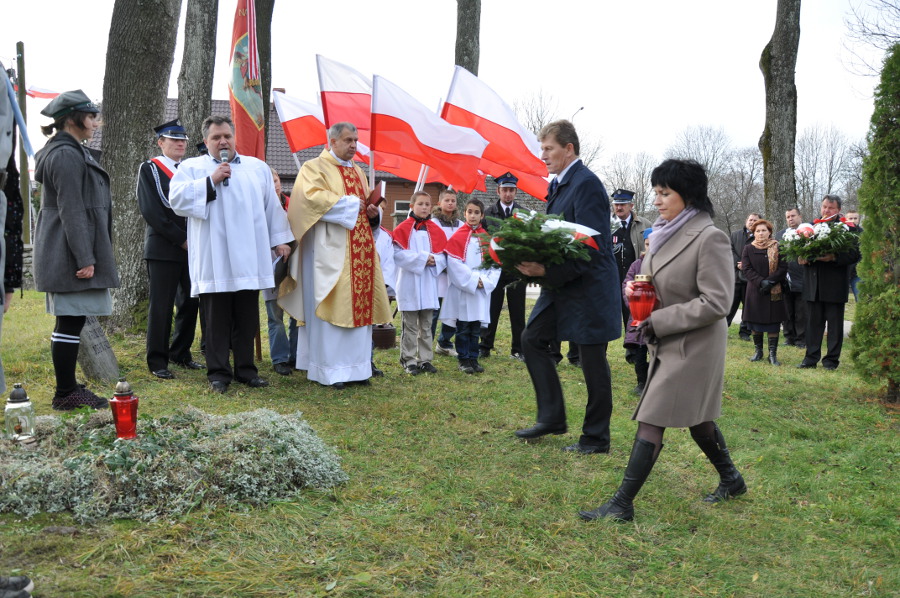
{"x":643,"y":70}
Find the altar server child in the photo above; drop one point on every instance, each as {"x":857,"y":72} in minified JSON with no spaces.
{"x":467,"y":305}
{"x":419,"y":259}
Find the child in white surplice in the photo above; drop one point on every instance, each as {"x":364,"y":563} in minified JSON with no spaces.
{"x":467,"y":305}
{"x":418,"y":257}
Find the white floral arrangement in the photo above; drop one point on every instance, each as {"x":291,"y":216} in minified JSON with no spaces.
{"x":811,"y":241}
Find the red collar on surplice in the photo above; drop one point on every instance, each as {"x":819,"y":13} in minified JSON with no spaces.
{"x":458,"y":243}
{"x":436,"y":236}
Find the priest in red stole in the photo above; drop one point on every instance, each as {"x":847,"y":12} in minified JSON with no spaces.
{"x":335,"y":288}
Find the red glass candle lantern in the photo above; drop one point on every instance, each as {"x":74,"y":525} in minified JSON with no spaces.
{"x":124,"y":407}
{"x":643,"y":300}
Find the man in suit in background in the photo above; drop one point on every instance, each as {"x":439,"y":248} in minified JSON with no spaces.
{"x":581,"y":301}
{"x":165,"y":251}
{"x":508,"y":285}
{"x":739,"y":238}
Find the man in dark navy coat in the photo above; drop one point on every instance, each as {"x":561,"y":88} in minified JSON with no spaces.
{"x":580,"y":301}
{"x":166,"y":254}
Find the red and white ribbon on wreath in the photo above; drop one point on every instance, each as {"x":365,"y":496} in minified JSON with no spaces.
{"x":580,"y":233}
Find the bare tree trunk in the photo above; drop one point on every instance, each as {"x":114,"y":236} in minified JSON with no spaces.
{"x":138,"y":63}
{"x":264,"y":9}
{"x":468,"y":32}
{"x":777,"y":63}
{"x":196,"y":76}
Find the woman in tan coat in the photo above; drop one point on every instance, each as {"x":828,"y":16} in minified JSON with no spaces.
{"x":690,"y":262}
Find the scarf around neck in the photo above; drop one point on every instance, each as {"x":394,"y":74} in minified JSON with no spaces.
{"x":663,"y":229}
{"x":771,"y":247}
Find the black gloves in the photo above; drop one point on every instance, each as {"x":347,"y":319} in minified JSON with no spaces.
{"x":765,"y":287}
{"x":645,"y":330}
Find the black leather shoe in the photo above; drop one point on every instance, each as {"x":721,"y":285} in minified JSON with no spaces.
{"x":575,"y":362}
{"x":339,"y":386}
{"x":283,"y":369}
{"x":806,"y":366}
{"x":829,"y":366}
{"x":376,"y":373}
{"x":518,"y":356}
{"x":539,"y":429}
{"x":586,"y":449}
{"x":256,"y":382}
{"x":164,"y":374}
{"x":218,"y":386}
{"x":190,"y":364}
{"x":484,"y":353}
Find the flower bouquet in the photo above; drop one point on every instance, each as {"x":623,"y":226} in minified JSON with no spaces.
{"x":810,"y":241}
{"x":532,"y":237}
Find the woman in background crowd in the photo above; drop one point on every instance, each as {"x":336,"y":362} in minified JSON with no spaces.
{"x":765,"y":271}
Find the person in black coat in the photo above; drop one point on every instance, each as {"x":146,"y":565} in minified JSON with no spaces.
{"x":766,"y":273}
{"x":826,"y":286}
{"x":508,"y":285}
{"x":739,"y":239}
{"x":166,"y":254}
{"x":580,"y":300}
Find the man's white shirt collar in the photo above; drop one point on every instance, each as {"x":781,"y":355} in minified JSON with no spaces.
{"x":339,"y":161}
{"x":560,"y":176}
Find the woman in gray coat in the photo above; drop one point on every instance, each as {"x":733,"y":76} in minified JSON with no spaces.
{"x":73,"y":256}
{"x":690,"y":262}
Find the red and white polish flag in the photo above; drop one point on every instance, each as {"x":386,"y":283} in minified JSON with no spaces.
{"x":302,"y":121}
{"x":346,"y":96}
{"x":40,"y":92}
{"x":403,"y":126}
{"x":511,"y":147}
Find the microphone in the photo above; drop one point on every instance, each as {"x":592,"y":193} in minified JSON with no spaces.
{"x":223,"y":157}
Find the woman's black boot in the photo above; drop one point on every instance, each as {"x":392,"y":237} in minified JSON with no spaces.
{"x":773,"y":350}
{"x":731,"y":483}
{"x":620,"y":506}
{"x":757,"y":340}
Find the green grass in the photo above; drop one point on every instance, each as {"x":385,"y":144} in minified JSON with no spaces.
{"x":443,"y":501}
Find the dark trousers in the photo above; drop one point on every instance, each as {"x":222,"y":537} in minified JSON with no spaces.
{"x":515,"y":304}
{"x":795,"y":325}
{"x":232,"y":320}
{"x":740,"y":288}
{"x":166,"y":279}
{"x":467,"y":339}
{"x":537,"y":339}
{"x":822,"y":314}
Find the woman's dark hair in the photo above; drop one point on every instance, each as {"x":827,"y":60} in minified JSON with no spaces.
{"x":475,"y":202}
{"x":77,"y":118}
{"x":688,"y":179}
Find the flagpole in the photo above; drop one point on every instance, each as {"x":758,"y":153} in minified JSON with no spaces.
{"x":423,"y":176}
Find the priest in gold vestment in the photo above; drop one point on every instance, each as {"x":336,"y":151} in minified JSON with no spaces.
{"x":334,"y":289}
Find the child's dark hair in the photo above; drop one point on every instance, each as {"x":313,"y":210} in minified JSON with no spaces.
{"x":475,"y":202}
